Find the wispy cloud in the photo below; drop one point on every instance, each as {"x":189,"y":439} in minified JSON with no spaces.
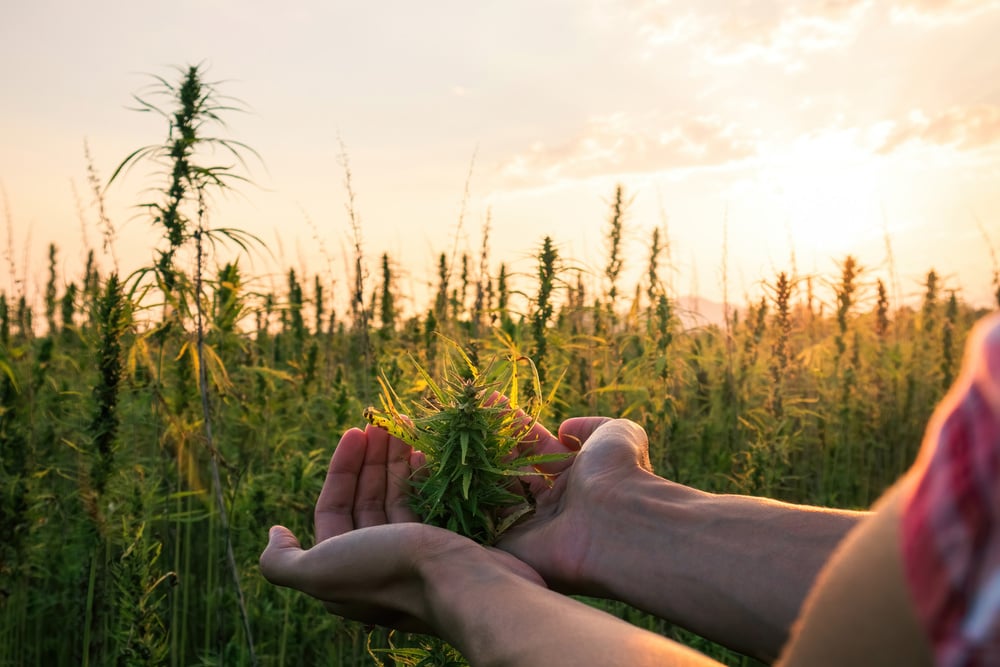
{"x":627,"y":144}
{"x":768,"y":31}
{"x":936,"y":11}
{"x":962,"y":128}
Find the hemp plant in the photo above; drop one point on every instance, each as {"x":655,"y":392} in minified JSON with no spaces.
{"x":474,"y":442}
{"x":195,"y":108}
{"x":477,"y":449}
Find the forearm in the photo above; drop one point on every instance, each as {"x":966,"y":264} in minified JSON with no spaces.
{"x":498,"y":619}
{"x":735,"y":569}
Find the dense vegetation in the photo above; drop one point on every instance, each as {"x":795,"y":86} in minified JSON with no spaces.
{"x":154,"y":426}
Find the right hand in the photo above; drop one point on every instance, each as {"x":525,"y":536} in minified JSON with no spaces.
{"x":558,"y":541}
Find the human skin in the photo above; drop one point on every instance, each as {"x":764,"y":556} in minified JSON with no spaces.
{"x":751,"y":573}
{"x":731,"y":567}
{"x":373,"y":562}
{"x":735,"y":569}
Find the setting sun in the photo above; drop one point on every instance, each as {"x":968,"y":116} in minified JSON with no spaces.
{"x":828,"y":190}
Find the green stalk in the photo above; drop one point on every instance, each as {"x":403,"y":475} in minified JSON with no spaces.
{"x":186,"y":581}
{"x":210,"y":584}
{"x":615,"y":261}
{"x":7,"y":648}
{"x":207,"y":420}
{"x":174,"y":599}
{"x":283,"y":640}
{"x":548,"y":259}
{"x":88,"y":617}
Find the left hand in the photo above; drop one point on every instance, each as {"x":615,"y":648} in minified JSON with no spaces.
{"x":367,"y":564}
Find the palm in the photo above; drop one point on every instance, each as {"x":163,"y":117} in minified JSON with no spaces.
{"x":369,"y":541}
{"x":373,"y":575}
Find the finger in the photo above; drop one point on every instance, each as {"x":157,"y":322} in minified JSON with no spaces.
{"x":417,"y":462}
{"x":398,"y":488}
{"x":618,"y":442}
{"x":278,"y":561}
{"x":370,"y":494}
{"x":418,"y":466}
{"x":372,"y":569}
{"x":335,"y":506}
{"x":332,"y":571}
{"x":577,"y":430}
{"x":538,"y":441}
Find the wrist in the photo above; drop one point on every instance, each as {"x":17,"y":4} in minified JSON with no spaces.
{"x":634,"y":524}
{"x":466,"y":594}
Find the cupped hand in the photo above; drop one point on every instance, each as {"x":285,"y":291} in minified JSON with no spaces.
{"x":369,"y":560}
{"x":604,"y":456}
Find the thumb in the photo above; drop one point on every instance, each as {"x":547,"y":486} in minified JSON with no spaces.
{"x":622,"y":441}
{"x":277,"y":563}
{"x":576,"y":430}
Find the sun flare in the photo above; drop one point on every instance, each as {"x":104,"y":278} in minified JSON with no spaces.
{"x":829,"y":190}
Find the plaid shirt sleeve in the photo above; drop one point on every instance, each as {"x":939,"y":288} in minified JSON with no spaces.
{"x":951,"y":521}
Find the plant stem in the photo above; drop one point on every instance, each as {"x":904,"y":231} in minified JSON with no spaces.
{"x":206,"y":413}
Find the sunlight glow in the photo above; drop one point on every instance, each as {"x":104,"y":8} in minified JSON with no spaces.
{"x":829,"y":190}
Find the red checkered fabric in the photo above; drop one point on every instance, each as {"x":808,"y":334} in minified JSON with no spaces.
{"x":951,"y":522}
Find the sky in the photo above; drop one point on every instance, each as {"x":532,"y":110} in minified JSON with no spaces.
{"x":759,"y":136}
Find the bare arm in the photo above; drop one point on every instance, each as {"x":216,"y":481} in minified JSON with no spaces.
{"x":374,"y":563}
{"x":860,"y":612}
{"x":735,"y":569}
{"x":498,"y":619}
{"x":732,"y":568}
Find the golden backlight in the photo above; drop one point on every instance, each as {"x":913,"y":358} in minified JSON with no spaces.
{"x":829,"y":191}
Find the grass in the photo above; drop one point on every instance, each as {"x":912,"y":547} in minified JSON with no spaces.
{"x":805,"y":407}
{"x":119,"y":508}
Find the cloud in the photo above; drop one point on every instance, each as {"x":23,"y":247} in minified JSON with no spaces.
{"x":937,"y":11}
{"x":962,"y":128}
{"x":782,"y":32}
{"x":769,"y":31}
{"x":621,"y":144}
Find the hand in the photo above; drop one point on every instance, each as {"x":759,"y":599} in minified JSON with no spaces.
{"x":369,"y":560}
{"x":734,"y":569}
{"x":557,"y":541}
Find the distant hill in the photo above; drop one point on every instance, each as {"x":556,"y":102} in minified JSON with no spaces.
{"x":695,"y":311}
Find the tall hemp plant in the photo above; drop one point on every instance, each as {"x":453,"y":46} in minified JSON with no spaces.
{"x":193,"y":109}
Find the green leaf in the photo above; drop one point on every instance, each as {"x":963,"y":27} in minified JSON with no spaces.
{"x":537,"y":459}
{"x":463,"y":439}
{"x":9,"y":372}
{"x":438,"y":393}
{"x":466,"y":482}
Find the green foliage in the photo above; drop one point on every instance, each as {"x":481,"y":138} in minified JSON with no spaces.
{"x":112,"y":323}
{"x":547,"y":269}
{"x":801,"y":420}
{"x":471,"y":443}
{"x":424,"y":652}
{"x":615,"y":260}
{"x":195,"y":108}
{"x":106,"y":515}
